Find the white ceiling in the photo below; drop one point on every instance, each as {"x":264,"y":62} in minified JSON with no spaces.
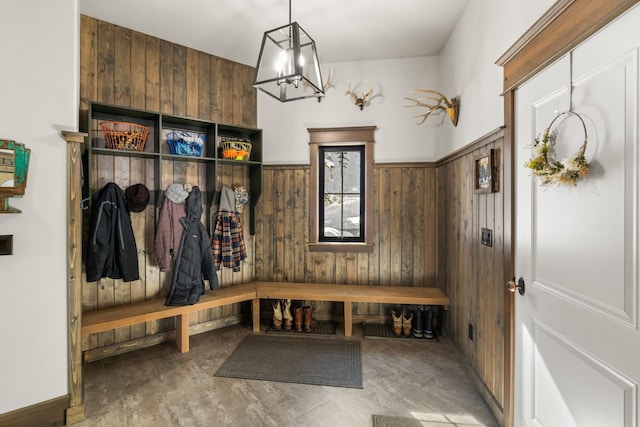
{"x":344,"y":30}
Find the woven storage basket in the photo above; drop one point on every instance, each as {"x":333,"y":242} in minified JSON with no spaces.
{"x":124,"y":135}
{"x":236,"y":150}
{"x":185,"y":143}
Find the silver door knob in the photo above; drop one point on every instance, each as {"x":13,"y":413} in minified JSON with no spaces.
{"x":512,"y":286}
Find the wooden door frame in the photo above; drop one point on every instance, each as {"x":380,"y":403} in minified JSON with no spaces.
{"x":562,"y":28}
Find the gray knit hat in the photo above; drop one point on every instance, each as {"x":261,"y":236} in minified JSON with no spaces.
{"x":176,"y":193}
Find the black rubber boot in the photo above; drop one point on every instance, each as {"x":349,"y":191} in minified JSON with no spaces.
{"x":417,"y":323}
{"x":428,"y":322}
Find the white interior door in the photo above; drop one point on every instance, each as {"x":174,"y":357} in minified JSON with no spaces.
{"x":577,"y":354}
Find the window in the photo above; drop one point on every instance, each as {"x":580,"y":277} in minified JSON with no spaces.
{"x":340,"y":205}
{"x":341,"y":194}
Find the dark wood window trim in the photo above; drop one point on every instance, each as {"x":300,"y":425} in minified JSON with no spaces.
{"x":360,"y":135}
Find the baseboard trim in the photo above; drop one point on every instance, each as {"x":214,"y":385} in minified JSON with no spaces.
{"x":50,"y":413}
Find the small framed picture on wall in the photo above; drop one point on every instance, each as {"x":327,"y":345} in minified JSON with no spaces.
{"x":485,"y":173}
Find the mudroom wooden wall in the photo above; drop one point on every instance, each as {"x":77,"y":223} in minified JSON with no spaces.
{"x":130,"y":69}
{"x":404,"y":235}
{"x":471,"y":273}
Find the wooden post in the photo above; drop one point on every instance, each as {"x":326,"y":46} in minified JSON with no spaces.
{"x":255,"y":310}
{"x":75,"y":412}
{"x":182,"y":332}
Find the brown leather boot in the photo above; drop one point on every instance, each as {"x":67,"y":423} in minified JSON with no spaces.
{"x":308,"y":318}
{"x":297,"y":320}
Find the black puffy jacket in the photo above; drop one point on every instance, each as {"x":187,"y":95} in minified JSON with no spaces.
{"x":111,"y":249}
{"x":195,"y":258}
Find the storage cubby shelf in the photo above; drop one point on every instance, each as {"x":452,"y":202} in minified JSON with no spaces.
{"x":163,"y":163}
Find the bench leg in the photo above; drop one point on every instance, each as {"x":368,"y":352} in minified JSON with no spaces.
{"x":255,"y":314}
{"x":348,"y":319}
{"x":182,"y":332}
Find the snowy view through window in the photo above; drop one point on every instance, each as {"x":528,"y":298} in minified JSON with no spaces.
{"x":342,"y":194}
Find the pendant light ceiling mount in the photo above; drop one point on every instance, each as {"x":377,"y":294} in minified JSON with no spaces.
{"x":288,"y":64}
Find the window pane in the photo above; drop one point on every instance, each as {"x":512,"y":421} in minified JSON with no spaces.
{"x":351,"y":172}
{"x":333,"y":216}
{"x":351,"y":216}
{"x":332,"y":172}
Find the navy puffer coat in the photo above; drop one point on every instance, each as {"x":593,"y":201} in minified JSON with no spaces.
{"x":194,"y":261}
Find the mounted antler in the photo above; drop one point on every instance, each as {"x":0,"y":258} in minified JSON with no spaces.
{"x":327,"y":84}
{"x":449,"y":106}
{"x":360,"y":100}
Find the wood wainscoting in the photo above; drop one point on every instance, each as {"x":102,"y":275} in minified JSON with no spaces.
{"x":472,"y":273}
{"x":404,"y":235}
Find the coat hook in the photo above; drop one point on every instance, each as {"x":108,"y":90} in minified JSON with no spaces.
{"x":278,"y":193}
{"x":84,"y":204}
{"x":297,"y":192}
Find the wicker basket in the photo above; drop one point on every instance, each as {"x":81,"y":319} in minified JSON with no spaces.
{"x":236,"y":150}
{"x":185,"y":143}
{"x":124,"y":135}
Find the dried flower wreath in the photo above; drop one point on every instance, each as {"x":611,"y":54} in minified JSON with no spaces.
{"x":551,"y":171}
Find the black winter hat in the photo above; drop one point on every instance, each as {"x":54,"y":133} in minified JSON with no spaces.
{"x":138,"y":197}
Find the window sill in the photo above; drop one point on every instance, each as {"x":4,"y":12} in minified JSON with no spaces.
{"x":341,"y":247}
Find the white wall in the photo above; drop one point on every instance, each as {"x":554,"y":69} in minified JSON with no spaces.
{"x":467,"y":64}
{"x":39,"y":93}
{"x":398,"y":137}
{"x":466,"y":68}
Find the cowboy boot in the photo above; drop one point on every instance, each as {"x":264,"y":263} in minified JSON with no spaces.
{"x":297,"y":322}
{"x":417,"y":322}
{"x":277,"y":315}
{"x":286,"y":314}
{"x":308,"y":318}
{"x":428,"y":322}
{"x":406,"y":324}
{"x":397,"y":323}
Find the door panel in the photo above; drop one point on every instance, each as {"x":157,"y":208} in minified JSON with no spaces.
{"x":577,"y":339}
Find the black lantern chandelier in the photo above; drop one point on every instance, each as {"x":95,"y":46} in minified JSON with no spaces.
{"x":288,"y":67}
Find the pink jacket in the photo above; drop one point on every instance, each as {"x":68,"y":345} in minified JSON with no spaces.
{"x":168,"y":233}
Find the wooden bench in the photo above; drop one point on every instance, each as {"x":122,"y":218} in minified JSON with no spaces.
{"x":346,"y":294}
{"x":126,"y":315}
{"x":145,"y":311}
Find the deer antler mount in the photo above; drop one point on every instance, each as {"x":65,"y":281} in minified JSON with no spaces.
{"x":360,"y":99}
{"x":435,"y":103}
{"x":327,"y":84}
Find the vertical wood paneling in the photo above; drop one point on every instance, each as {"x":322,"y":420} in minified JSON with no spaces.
{"x":283,"y":223}
{"x":472,"y":274}
{"x":300,"y":228}
{"x":226,"y":92}
{"x":122,"y":66}
{"x":88,"y":60}
{"x":407,"y":203}
{"x":166,"y":77}
{"x":127,"y":68}
{"x":204,"y":86}
{"x":238,"y":93}
{"x":179,"y":80}
{"x":105,"y":56}
{"x":152,"y":74}
{"x":216,"y":89}
{"x":138,"y":67}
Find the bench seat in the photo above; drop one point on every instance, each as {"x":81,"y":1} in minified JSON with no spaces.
{"x":145,"y":311}
{"x":347,"y":294}
{"x":130,"y":314}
